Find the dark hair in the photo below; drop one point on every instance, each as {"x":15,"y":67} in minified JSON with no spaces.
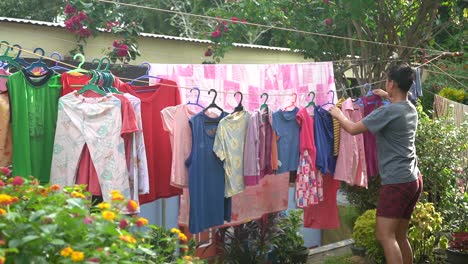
{"x":403,"y":74}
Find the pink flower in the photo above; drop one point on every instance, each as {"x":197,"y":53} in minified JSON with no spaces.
{"x":69,"y":9}
{"x":88,"y":220}
{"x":216,"y":33}
{"x":208,"y":53}
{"x":95,"y":260}
{"x":123,"y":224}
{"x":69,"y":25}
{"x":18,"y":181}
{"x":234,"y":19}
{"x":115,"y":44}
{"x":2,"y":183}
{"x":226,"y":29}
{"x":326,"y":1}
{"x":328,"y":21}
{"x":244,"y":20}
{"x":225,"y":22}
{"x":122,"y":50}
{"x":75,"y":20}
{"x":84,"y":32}
{"x":82,"y":16}
{"x":5,"y":170}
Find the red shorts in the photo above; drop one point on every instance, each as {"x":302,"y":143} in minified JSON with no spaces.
{"x":398,"y":200}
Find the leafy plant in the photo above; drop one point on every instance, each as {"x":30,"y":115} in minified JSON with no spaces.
{"x":42,"y":224}
{"x":424,"y":232}
{"x":289,"y":241}
{"x":363,"y":199}
{"x":457,"y":95}
{"x":364,"y":236}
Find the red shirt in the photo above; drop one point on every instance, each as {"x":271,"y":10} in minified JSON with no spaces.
{"x":157,"y":140}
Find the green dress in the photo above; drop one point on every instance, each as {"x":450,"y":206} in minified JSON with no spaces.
{"x":34,"y":107}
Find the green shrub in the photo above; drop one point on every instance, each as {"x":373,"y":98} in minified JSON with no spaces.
{"x":364,"y":236}
{"x":457,"y":95}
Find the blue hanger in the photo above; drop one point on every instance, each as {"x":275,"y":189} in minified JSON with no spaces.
{"x":198,"y":98}
{"x":146,"y":74}
{"x":57,"y":66}
{"x":39,"y":63}
{"x":369,"y":91}
{"x":333,"y":98}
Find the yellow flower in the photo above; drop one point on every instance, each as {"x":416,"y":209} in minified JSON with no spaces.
{"x":2,"y":212}
{"x":77,"y":256}
{"x":117,"y":197}
{"x":187,"y":258}
{"x":114,"y":192}
{"x":5,"y":199}
{"x":175,"y":231}
{"x":183,"y":237}
{"x":108,"y":215}
{"x":2,"y":260}
{"x":128,"y":239}
{"x":76,"y":194}
{"x":132,"y":206}
{"x":141,"y":222}
{"x":103,"y":206}
{"x":66,"y":251}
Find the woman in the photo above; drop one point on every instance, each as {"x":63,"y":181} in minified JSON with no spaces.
{"x":394,"y":127}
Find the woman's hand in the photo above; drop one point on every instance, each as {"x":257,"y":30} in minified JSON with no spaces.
{"x":381,"y":93}
{"x":336,"y":113}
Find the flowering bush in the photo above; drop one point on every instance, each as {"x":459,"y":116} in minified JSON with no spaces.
{"x":87,"y":18}
{"x":42,"y":224}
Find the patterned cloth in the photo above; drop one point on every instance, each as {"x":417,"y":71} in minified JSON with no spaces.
{"x":309,"y":184}
{"x":336,"y":131}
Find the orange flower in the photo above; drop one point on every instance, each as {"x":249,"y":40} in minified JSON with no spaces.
{"x":77,"y":256}
{"x":44,"y":192}
{"x":183,"y":237}
{"x":187,"y":258}
{"x":2,"y":242}
{"x":132,"y":206}
{"x":66,"y":251}
{"x":55,"y":187}
{"x":128,"y":239}
{"x":141,"y":222}
{"x":2,"y":260}
{"x":2,"y":211}
{"x":14,"y":199}
{"x":35,"y":182}
{"x":108,"y":215}
{"x":76,"y":194}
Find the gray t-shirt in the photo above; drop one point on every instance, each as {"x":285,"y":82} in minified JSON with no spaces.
{"x":394,"y":127}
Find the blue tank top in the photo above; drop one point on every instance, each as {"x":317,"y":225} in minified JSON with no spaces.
{"x":208,"y":206}
{"x":323,"y":130}
{"x":287,"y":128}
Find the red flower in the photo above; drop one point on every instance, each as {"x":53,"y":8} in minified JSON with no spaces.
{"x":208,"y":53}
{"x":5,"y":170}
{"x":115,"y":44}
{"x":226,"y":29}
{"x":234,"y":19}
{"x":225,"y":22}
{"x":18,"y":181}
{"x":132,"y":206}
{"x":123,"y":224}
{"x":122,"y":50}
{"x":95,"y":260}
{"x":216,"y":33}
{"x":244,"y":20}
{"x":82,"y":15}
{"x":84,"y":32}
{"x":69,"y":9}
{"x":2,"y":183}
{"x":328,"y":21}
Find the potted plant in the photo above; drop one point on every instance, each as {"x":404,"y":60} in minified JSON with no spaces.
{"x":457,"y":251}
{"x":289,"y":244}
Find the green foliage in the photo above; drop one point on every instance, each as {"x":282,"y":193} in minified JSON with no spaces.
{"x":425,"y":227}
{"x":41,"y":224}
{"x":289,"y":241}
{"x":42,"y":10}
{"x":456,"y":95}
{"x":363,"y":199}
{"x":364,"y":236}
{"x":345,"y":259}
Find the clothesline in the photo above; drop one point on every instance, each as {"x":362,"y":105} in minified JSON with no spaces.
{"x":269,"y":26}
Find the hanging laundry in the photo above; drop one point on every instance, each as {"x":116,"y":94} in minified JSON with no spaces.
{"x":287,"y":130}
{"x":324,"y":215}
{"x":370,"y":146}
{"x":351,"y":164}
{"x":96,"y":122}
{"x":416,"y":88}
{"x":323,"y":132}
{"x":308,"y":187}
{"x":33,"y":104}
{"x":336,"y":131}
{"x":176,"y":122}
{"x":208,"y":206}
{"x":155,"y":98}
{"x":229,"y":147}
{"x":258,"y":148}
{"x":5,"y":128}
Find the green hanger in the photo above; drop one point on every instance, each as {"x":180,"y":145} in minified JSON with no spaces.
{"x":264,"y":105}
{"x":79,"y":69}
{"x":7,"y":58}
{"x":311,"y":103}
{"x":91,"y":86}
{"x":109,"y":82}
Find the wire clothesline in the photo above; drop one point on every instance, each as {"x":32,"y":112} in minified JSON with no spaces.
{"x":269,"y":26}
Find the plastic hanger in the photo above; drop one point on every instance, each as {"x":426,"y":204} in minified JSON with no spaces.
{"x":57,"y":66}
{"x":146,"y":75}
{"x":7,"y":58}
{"x":39,"y":63}
{"x":213,"y":104}
{"x":293,"y":103}
{"x":369,"y":90}
{"x":264,"y":105}
{"x":311,"y":102}
{"x":18,"y":59}
{"x":332,"y":100}
{"x":239,"y":107}
{"x":79,"y":69}
{"x":91,"y":86}
{"x":108,"y":83}
{"x":198,"y":98}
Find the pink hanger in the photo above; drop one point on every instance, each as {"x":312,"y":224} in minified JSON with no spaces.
{"x":293,"y":103}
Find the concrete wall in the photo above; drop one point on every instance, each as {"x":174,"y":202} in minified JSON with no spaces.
{"x":154,"y":50}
